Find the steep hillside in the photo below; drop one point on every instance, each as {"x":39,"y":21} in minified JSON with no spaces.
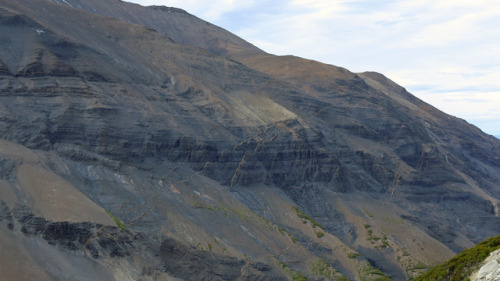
{"x":174,"y":23}
{"x":469,"y":264}
{"x":142,"y":143}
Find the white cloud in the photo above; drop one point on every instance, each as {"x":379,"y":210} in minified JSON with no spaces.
{"x":446,"y":52}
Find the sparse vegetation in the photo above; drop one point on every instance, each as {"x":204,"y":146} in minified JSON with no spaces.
{"x":219,"y":208}
{"x":292,"y":273}
{"x":324,"y":269}
{"x":394,"y":220}
{"x":321,"y":267}
{"x":305,"y":217}
{"x":462,"y":266}
{"x":319,"y":234}
{"x":385,"y":243}
{"x":372,"y":273}
{"x":367,"y":213}
{"x":373,"y":239}
{"x":272,"y":225}
{"x":204,"y":206}
{"x":243,"y":214}
{"x":420,"y":265}
{"x":353,"y":255}
{"x":281,"y":230}
{"x":118,"y":222}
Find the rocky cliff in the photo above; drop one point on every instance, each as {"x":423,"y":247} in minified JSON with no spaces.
{"x":490,"y":268}
{"x":146,"y":144}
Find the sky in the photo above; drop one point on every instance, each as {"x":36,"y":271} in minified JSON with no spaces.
{"x":446,"y":52}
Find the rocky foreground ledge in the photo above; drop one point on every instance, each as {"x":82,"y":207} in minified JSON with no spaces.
{"x":490,"y":270}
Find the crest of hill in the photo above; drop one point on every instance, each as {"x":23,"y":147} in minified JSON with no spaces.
{"x":174,"y":23}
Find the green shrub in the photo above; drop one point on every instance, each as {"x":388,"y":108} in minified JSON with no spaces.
{"x":118,"y":222}
{"x":461,"y":266}
{"x":292,"y":273}
{"x":353,"y":255}
{"x":303,"y":216}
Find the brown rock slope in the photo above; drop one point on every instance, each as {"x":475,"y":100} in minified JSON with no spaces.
{"x":141,"y":143}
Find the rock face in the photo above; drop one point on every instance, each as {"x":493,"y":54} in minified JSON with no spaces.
{"x":490,"y":270}
{"x":205,"y":149}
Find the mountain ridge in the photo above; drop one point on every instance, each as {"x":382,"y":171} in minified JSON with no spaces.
{"x":275,"y":166}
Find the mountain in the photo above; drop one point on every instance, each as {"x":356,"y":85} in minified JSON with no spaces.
{"x":142,"y":143}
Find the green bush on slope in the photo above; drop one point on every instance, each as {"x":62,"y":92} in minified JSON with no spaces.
{"x":118,"y":222}
{"x":462,"y":266}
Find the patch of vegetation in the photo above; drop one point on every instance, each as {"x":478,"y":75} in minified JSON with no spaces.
{"x":372,"y":273}
{"x":461,"y":266}
{"x":241,"y":214}
{"x":303,"y":216}
{"x":394,"y":220}
{"x":368,"y":213}
{"x":319,"y":234}
{"x":219,"y":208}
{"x":246,"y":217}
{"x":266,"y":221}
{"x":385,"y":244}
{"x":224,"y":210}
{"x":420,"y":265}
{"x":281,"y":264}
{"x":280,"y":229}
{"x":118,"y":222}
{"x":298,"y":277}
{"x":324,"y":269}
{"x":292,"y":273}
{"x":353,"y":255}
{"x":204,"y":206}
{"x":372,"y":238}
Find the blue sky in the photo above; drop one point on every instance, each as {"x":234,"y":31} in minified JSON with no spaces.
{"x":446,"y":52}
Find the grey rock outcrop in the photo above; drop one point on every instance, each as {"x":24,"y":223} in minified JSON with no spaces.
{"x":490,"y":270}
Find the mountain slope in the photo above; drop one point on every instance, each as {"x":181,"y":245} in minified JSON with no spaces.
{"x":220,"y":154}
{"x":463,"y":265}
{"x":174,"y":23}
